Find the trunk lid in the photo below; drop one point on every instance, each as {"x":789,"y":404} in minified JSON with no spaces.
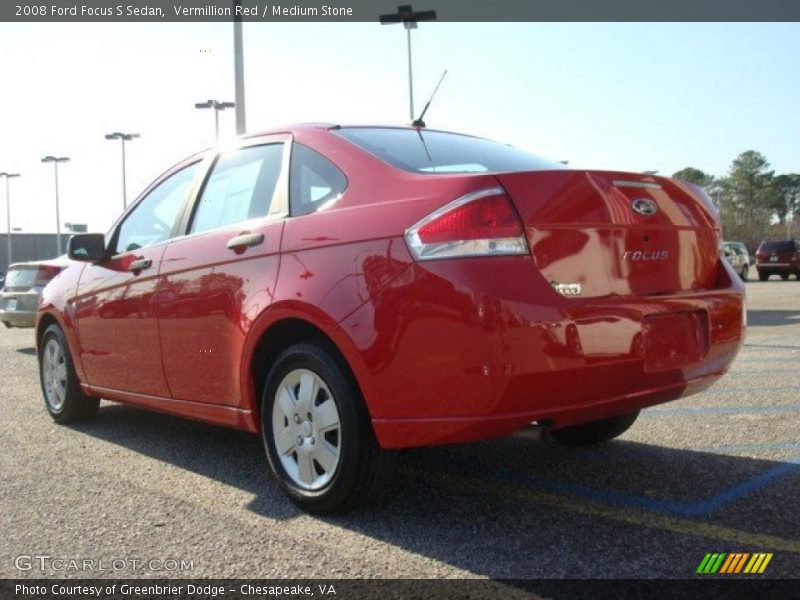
{"x":616,"y":233}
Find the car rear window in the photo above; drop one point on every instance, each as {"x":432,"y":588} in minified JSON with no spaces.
{"x":436,"y":152}
{"x":21,"y":277}
{"x":778,"y":246}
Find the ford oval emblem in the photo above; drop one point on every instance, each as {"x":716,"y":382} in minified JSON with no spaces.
{"x":644,"y":206}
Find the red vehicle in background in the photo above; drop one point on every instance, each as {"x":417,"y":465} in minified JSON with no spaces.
{"x":778,"y":257}
{"x":347,"y":291}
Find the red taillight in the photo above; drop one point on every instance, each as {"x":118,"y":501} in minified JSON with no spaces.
{"x":489,"y":217}
{"x":483,"y":223}
{"x":45,"y":273}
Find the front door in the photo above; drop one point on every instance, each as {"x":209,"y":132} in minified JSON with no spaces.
{"x":221,"y":274}
{"x":116,"y":299}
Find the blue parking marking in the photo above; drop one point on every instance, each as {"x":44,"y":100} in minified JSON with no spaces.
{"x":760,"y":371}
{"x":743,"y":489}
{"x":762,"y":359}
{"x":684,"y":509}
{"x":745,"y":389}
{"x":722,"y":410}
{"x":749,"y":447}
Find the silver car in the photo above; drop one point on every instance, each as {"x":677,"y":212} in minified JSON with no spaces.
{"x":738,"y":257}
{"x":23,"y":285}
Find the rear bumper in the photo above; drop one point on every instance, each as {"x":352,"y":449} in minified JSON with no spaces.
{"x":464,"y":350}
{"x":398,"y":433}
{"x":18,"y":318}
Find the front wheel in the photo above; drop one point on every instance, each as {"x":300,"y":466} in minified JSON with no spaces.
{"x":763,"y":276}
{"x":594,"y":432}
{"x":317,"y":433}
{"x":63,"y":396}
{"x":743,"y":274}
{"x":785,"y":276}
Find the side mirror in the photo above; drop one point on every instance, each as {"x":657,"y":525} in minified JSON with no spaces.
{"x":87,"y":247}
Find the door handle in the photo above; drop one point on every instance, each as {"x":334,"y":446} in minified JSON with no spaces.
{"x":245,"y":240}
{"x":140,"y":265}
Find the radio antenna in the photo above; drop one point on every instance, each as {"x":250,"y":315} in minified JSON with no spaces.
{"x":418,"y":122}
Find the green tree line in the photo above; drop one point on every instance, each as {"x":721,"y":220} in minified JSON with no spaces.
{"x":754,"y":203}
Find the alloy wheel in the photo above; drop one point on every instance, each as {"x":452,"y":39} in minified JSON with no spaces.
{"x":306,"y":429}
{"x":54,"y":375}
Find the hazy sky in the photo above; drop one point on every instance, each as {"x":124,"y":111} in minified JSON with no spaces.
{"x":616,"y":96}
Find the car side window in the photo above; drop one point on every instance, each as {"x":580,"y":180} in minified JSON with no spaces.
{"x":314,"y":181}
{"x":241,"y":187}
{"x":153,"y":218}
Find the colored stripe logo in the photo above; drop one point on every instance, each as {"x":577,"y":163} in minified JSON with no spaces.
{"x":734,"y":563}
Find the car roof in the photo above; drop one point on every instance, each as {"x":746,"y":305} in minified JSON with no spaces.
{"x":312,"y":126}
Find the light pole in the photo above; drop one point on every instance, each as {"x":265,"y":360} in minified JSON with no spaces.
{"x":123,"y":137}
{"x":8,"y":214}
{"x":217,"y":106}
{"x":406,"y":15}
{"x":238,"y":72}
{"x":55,"y":160}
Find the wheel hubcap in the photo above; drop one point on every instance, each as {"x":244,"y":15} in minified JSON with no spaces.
{"x":306,"y":429}
{"x":54,"y":375}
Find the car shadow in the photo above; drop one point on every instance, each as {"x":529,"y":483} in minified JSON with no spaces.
{"x":512,"y":507}
{"x":30,"y":351}
{"x":772,"y":318}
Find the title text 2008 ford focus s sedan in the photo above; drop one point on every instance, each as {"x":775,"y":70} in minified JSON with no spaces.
{"x":347,"y":291}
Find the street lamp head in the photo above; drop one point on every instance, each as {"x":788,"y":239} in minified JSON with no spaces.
{"x":224,"y":105}
{"x":9,"y":175}
{"x":405,"y":14}
{"x":55,"y":159}
{"x":118,"y":135}
{"x":206,"y":104}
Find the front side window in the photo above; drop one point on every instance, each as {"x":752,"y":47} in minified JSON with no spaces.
{"x":314,"y":181}
{"x":241,"y":187}
{"x":152,"y":220}
{"x":423,"y":151}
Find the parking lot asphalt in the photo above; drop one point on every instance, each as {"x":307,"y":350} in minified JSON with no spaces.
{"x":715,"y":472}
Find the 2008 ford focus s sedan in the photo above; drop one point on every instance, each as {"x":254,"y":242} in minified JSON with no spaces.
{"x":348,"y":291}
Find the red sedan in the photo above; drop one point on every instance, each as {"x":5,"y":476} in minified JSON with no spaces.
{"x":347,"y":291}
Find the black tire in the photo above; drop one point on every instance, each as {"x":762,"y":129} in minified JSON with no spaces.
{"x":77,"y":406}
{"x":743,"y":274}
{"x":785,"y":276}
{"x":763,"y":276}
{"x":595,"y":432}
{"x":363,"y":467}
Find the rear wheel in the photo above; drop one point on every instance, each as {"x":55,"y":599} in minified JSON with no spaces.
{"x":317,"y":433}
{"x":763,"y":276}
{"x":784,"y":276}
{"x":63,"y":396}
{"x":743,"y":274}
{"x":594,"y":432}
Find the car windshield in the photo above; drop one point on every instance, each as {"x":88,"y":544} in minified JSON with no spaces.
{"x":21,"y":277}
{"x":780,"y":246}
{"x":422,"y":151}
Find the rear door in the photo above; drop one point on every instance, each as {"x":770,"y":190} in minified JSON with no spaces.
{"x":116,"y":299}
{"x":219,"y":275}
